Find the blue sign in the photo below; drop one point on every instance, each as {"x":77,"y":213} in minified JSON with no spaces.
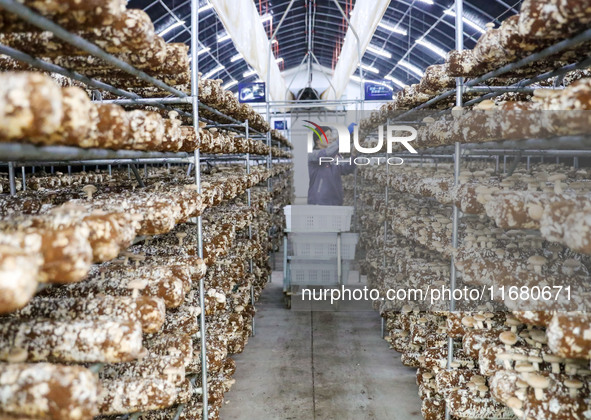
{"x":280,"y":125}
{"x":251,"y":92}
{"x":378,"y":92}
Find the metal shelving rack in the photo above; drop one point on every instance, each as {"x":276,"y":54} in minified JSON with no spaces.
{"x":573,"y":146}
{"x":21,"y":155}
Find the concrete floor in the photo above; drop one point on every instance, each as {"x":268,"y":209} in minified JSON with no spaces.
{"x":318,"y":366}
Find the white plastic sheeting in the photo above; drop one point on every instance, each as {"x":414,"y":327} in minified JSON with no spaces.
{"x":364,"y":19}
{"x":243,"y":23}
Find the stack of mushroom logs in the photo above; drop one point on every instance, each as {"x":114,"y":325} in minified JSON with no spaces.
{"x":514,"y":358}
{"x":35,"y":109}
{"x":66,"y":116}
{"x":546,"y":114}
{"x":540,"y":23}
{"x":130,"y":312}
{"x":125,"y":33}
{"x":282,"y":191}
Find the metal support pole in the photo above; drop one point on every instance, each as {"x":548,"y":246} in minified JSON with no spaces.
{"x":285,"y":282}
{"x":455,"y":223}
{"x":386,"y":201}
{"x":339,"y":260}
{"x":253,"y":333}
{"x":309,"y":17}
{"x":269,"y":161}
{"x":248,"y":199}
{"x":195,"y":103}
{"x":453,"y":274}
{"x":459,"y":8}
{"x":387,"y":198}
{"x":24,"y":179}
{"x":356,"y":217}
{"x":11,"y":179}
{"x":137,"y":175}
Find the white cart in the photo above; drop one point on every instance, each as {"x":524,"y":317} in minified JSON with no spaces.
{"x":320,"y":247}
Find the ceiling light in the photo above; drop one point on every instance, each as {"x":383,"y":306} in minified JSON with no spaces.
{"x":249,"y":73}
{"x":411,"y":67}
{"x":171,"y":27}
{"x":279,"y":60}
{"x":204,"y":8}
{"x":230,"y":84}
{"x":470,"y":23}
{"x":274,"y":42}
{"x":235,"y":58}
{"x":378,"y":51}
{"x":432,"y":47}
{"x":396,"y":81}
{"x":427,"y":1}
{"x":474,"y":25}
{"x":370,"y":68}
{"x":392,"y":28}
{"x":203,"y":51}
{"x":355,"y":78}
{"x":214,"y":71}
{"x":223,"y":37}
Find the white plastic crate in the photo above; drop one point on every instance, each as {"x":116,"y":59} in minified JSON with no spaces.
{"x":318,"y":218}
{"x":317,"y":273}
{"x":323,"y":245}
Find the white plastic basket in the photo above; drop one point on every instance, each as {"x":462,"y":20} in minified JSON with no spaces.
{"x":317,"y":273}
{"x":323,"y":245}
{"x":318,"y":218}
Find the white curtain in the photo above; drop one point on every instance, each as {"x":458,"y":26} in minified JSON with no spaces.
{"x":242,"y":22}
{"x":365,"y":18}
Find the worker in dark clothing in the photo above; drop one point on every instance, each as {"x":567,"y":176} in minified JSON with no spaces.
{"x":325,"y":186}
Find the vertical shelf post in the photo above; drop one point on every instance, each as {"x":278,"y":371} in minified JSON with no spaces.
{"x":11,"y":178}
{"x":459,"y":9}
{"x":384,"y":259}
{"x":197,"y":158}
{"x":248,"y":200}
